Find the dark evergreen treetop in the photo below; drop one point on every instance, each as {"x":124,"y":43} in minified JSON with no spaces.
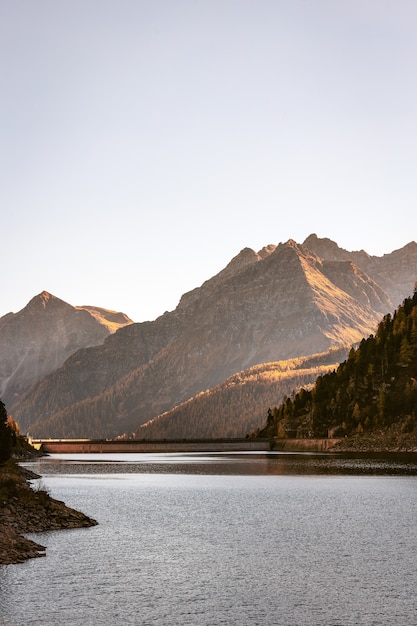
{"x":6,"y":434}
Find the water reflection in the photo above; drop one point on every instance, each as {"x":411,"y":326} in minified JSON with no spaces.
{"x":232,"y":463}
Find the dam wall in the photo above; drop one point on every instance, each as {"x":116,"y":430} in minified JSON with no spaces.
{"x":66,"y":446}
{"x":88,"y":446}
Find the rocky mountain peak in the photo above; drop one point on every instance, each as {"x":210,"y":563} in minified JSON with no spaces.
{"x":44,"y":300}
{"x":238,"y":264}
{"x":246,"y":257}
{"x":394,"y":273}
{"x":328,"y":250}
{"x":294,"y":249}
{"x":410,"y":249}
{"x":266,"y":251}
{"x":326,"y":245}
{"x":291,"y":243}
{"x":40,"y":337}
{"x":44,"y":297}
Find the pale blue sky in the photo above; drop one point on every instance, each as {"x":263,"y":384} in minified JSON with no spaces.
{"x":143,"y":144}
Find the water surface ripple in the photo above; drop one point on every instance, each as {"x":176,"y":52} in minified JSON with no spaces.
{"x":233,"y":539}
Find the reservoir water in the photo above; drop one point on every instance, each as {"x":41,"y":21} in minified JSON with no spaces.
{"x":224,"y":539}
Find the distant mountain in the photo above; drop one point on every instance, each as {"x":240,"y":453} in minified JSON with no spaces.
{"x":371,"y":396}
{"x":283,"y":302}
{"x":39,"y":338}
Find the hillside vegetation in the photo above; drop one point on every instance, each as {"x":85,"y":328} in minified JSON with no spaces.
{"x":373,"y":391}
{"x":236,"y":406}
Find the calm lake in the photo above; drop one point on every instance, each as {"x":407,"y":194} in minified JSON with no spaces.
{"x":224,"y":539}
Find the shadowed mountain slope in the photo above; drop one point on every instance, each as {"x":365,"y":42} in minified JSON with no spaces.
{"x":238,"y":405}
{"x":280,"y":303}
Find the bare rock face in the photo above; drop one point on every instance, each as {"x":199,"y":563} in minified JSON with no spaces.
{"x":112,"y":320}
{"x":395,"y":273}
{"x":39,"y":338}
{"x":286,"y":301}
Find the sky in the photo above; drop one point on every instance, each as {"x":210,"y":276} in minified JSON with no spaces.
{"x":144,"y":143}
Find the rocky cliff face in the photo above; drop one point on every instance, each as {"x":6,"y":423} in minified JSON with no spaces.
{"x":38,"y":339}
{"x":395,"y":273}
{"x":283,"y":302}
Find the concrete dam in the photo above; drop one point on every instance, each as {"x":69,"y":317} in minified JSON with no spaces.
{"x":88,"y":446}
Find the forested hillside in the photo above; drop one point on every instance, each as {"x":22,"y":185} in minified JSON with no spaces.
{"x":235,"y":407}
{"x":374,"y":390}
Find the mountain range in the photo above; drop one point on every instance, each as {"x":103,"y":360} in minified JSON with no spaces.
{"x":284,"y":302}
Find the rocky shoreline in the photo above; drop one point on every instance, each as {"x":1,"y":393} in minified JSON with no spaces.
{"x":392,"y":441}
{"x":24,"y":509}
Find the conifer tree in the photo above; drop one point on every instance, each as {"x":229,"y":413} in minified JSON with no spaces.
{"x":6,"y":435}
